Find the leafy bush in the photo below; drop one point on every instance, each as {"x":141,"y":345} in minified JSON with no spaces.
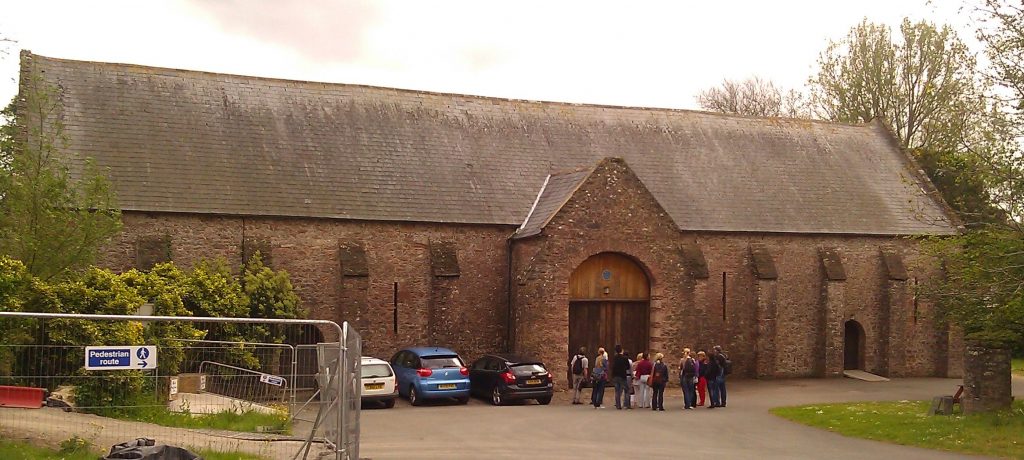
{"x":209,"y":289}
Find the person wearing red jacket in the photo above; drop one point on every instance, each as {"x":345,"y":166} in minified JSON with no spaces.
{"x":702,"y":374}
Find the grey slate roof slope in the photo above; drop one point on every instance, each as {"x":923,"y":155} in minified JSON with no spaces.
{"x":556,"y":190}
{"x":196,"y":142}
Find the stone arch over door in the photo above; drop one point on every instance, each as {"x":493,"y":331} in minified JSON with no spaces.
{"x":609,"y":304}
{"x":853,"y":346}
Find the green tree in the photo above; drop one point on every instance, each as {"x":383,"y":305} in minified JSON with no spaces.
{"x":269,"y":294}
{"x":925,"y":85}
{"x":49,"y":220}
{"x":983,"y":290}
{"x":7,"y":132}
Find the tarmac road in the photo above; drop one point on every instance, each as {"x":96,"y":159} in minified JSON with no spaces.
{"x":745,"y":429}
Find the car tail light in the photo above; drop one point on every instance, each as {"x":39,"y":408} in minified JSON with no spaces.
{"x":508,"y":377}
{"x":551,"y":378}
{"x":464,"y":371}
{"x":424,"y":372}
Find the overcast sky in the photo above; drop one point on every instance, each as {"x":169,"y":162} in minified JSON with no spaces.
{"x":657,"y":54}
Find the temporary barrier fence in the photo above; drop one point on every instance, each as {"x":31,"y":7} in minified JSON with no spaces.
{"x":179,"y":389}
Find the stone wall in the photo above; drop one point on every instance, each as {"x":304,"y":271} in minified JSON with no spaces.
{"x":772,"y":326}
{"x":987,"y":379}
{"x":465,"y":311}
{"x":789,"y":323}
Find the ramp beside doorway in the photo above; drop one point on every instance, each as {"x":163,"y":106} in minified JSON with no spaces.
{"x":865,"y":376}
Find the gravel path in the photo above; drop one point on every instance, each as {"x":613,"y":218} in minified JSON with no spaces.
{"x":743,"y":430}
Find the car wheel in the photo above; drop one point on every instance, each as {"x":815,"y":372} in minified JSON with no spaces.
{"x":389,"y":403}
{"x":496,"y":396}
{"x":544,"y":401}
{"x":463,"y":400}
{"x":414,"y":399}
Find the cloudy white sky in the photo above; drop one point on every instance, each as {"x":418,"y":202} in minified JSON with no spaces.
{"x":643,"y":53}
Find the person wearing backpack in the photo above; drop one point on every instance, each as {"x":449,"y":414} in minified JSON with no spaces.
{"x":657,"y":381}
{"x":714,"y":374}
{"x":688,"y":379}
{"x":726,"y":365}
{"x":580,"y":367}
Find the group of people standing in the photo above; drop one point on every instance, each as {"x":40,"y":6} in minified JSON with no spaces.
{"x":700,"y":374}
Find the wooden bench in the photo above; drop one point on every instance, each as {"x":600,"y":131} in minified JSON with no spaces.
{"x":943,"y":405}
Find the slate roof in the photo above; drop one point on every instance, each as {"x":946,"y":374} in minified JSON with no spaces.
{"x":197,"y":142}
{"x":556,"y":190}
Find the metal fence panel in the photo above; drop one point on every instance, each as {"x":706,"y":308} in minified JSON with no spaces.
{"x":212,"y":395}
{"x":352,"y":390}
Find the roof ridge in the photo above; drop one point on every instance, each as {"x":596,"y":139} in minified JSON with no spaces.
{"x":29,"y":54}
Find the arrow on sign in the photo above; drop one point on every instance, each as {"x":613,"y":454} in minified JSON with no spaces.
{"x":142,"y":364}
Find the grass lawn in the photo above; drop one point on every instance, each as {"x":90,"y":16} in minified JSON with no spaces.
{"x":907,"y":423}
{"x":249,"y":421}
{"x":10,"y":450}
{"x":1018,"y":366}
{"x":210,"y":455}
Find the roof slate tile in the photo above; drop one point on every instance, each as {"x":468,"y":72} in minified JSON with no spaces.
{"x":198,"y":142}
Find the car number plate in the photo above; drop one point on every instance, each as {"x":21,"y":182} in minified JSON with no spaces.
{"x":533,"y":382}
{"x":374,"y":386}
{"x":446,"y":386}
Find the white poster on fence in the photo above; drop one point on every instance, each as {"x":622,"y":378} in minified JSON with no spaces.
{"x":272,"y":380}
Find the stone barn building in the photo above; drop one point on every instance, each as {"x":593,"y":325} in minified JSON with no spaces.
{"x":487,"y":224}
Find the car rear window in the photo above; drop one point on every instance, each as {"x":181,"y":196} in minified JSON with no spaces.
{"x":371,"y":371}
{"x":440,"y":362}
{"x":527,"y":369}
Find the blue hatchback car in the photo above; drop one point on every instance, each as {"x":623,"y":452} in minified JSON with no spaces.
{"x":429,"y":373}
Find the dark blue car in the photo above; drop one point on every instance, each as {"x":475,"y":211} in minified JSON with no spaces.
{"x":431,"y":373}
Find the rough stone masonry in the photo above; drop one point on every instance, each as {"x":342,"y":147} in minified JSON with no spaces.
{"x":461,"y":221}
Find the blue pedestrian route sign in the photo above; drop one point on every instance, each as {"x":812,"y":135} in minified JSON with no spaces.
{"x":114,"y":358}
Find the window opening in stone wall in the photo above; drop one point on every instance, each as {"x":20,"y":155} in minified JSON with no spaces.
{"x":394,"y":309}
{"x":915,"y":300}
{"x":723,"y":295}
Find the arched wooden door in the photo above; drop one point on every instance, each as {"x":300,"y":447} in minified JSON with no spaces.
{"x":609,"y":304}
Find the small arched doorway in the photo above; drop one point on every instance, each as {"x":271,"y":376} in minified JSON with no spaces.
{"x":609,"y":304}
{"x":853,"y":346}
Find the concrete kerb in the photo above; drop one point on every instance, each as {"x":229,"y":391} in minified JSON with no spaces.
{"x":338,"y":443}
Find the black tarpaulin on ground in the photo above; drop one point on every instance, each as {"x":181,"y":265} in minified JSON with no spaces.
{"x":146,"y":449}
